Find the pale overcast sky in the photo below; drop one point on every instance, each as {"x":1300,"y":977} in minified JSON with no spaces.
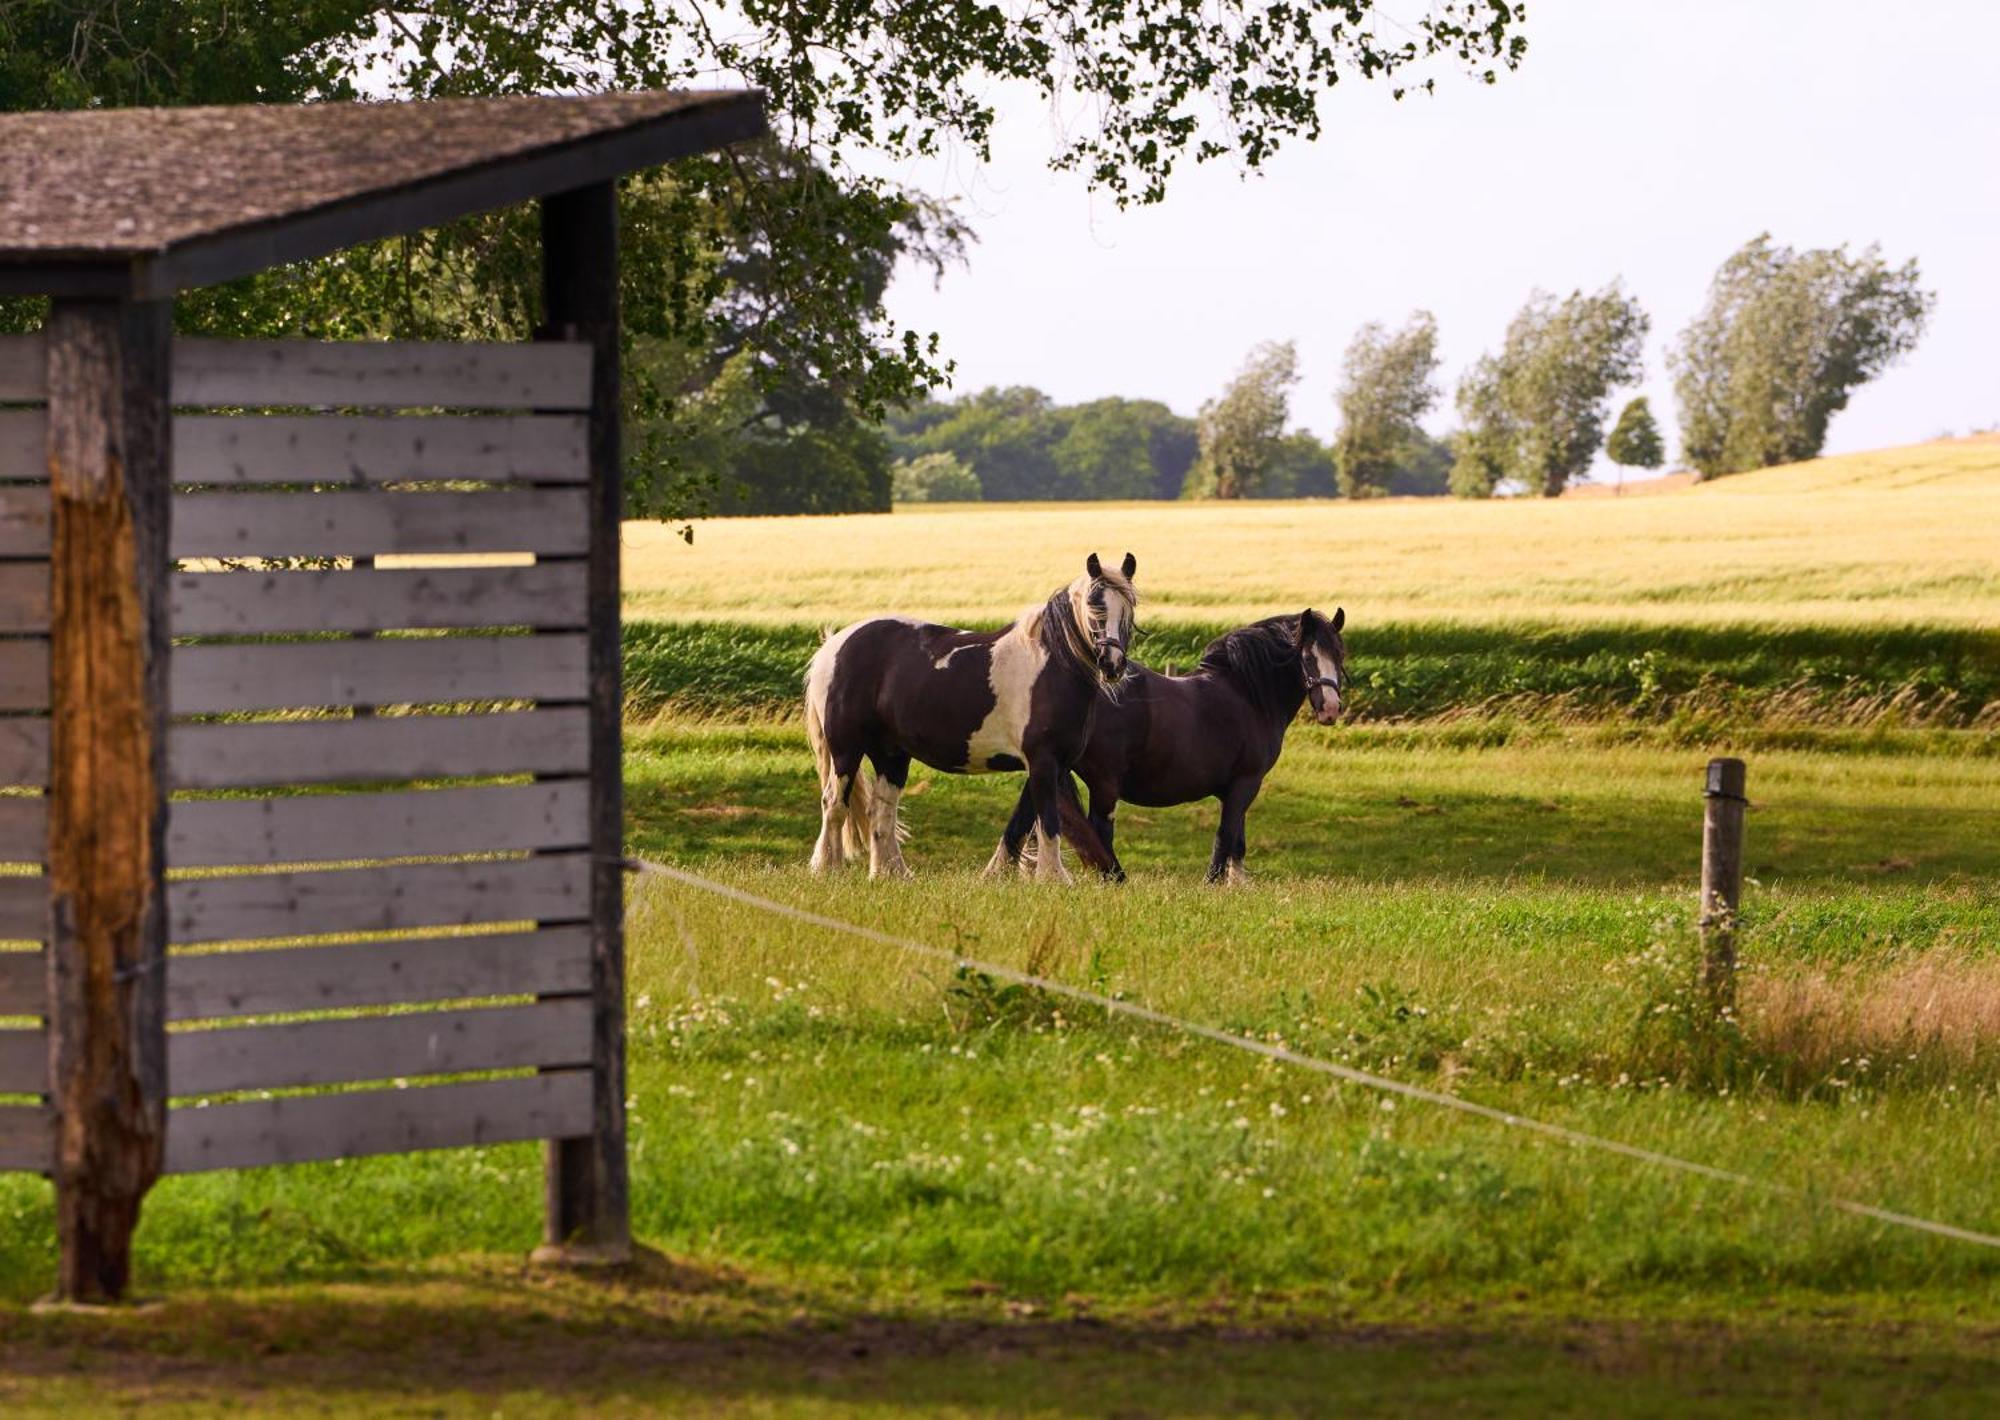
{"x":1639,"y":139}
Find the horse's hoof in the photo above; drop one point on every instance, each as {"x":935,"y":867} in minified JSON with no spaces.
{"x":998,"y":866}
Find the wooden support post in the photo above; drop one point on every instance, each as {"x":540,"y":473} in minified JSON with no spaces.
{"x":108,"y":451}
{"x":1721,"y":878}
{"x":588,"y":1216}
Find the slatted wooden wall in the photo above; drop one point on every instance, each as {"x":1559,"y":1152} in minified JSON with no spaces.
{"x":25,"y":1140}
{"x":380,"y":751}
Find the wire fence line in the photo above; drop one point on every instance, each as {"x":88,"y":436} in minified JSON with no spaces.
{"x":1133,"y":1011}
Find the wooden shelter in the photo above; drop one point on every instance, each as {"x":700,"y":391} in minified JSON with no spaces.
{"x":309,"y":662}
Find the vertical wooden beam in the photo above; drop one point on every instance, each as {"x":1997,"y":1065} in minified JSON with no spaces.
{"x":1721,"y":877}
{"x":588,"y":1214}
{"x":108,"y":451}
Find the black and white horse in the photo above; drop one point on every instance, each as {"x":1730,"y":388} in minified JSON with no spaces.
{"x":1214,"y":733}
{"x":967,"y":702}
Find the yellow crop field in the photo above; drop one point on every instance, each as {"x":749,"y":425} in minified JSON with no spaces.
{"x":1894,"y":537}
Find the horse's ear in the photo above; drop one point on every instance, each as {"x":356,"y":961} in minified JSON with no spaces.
{"x":1308,"y":619}
{"x":1339,"y":619}
{"x":1093,"y":567}
{"x":1131,"y":565}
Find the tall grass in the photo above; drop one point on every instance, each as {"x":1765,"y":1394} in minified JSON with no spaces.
{"x":1822,"y":675}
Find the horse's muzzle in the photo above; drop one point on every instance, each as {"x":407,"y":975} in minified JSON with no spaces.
{"x":1111,"y":661}
{"x":1329,"y":709}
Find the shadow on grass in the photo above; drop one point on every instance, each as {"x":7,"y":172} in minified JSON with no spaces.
{"x":670,"y":1333}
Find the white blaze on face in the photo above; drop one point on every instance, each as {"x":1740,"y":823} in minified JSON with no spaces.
{"x":1329,"y":671}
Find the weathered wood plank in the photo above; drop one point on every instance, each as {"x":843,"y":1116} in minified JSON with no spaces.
{"x":548,"y":521}
{"x":24,"y":371}
{"x":24,"y":674}
{"x":299,"y":1128}
{"x":24,"y":597}
{"x":24,"y":751}
{"x":428,"y":671}
{"x":371,"y":449}
{"x":215,"y":985}
{"x":109,"y":482}
{"x":254,"y":603}
{"x":586,"y":1190}
{"x":555,"y":888}
{"x":375,"y":750}
{"x":24,"y":983}
{"x":382,"y":374}
{"x":487,"y":818}
{"x":24,"y":828}
{"x":24,"y":908}
{"x":24,"y":520}
{"x":27,"y":1138}
{"x":24,"y":1061}
{"x":24,"y":445}
{"x":357,"y":1048}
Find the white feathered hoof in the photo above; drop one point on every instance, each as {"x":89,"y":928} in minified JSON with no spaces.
{"x":998,"y":866}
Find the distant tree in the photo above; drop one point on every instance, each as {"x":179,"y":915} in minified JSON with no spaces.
{"x":1301,"y":467}
{"x":1240,"y":432}
{"x":1535,"y":412}
{"x":1385,"y":391}
{"x":933,"y":478}
{"x":1172,"y":441}
{"x":1785,"y":338}
{"x":1423,"y":468}
{"x":1635,"y":440}
{"x":1006,"y":436}
{"x":1106,"y":450}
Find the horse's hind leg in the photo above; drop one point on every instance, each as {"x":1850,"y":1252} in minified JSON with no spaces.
{"x":885,"y":845}
{"x":1008,"y":854}
{"x":834,"y":798}
{"x":1103,"y":811}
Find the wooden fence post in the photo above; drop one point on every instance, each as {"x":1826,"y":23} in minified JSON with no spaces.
{"x":108,"y":451}
{"x":1721,"y":877}
{"x":587,"y":1217}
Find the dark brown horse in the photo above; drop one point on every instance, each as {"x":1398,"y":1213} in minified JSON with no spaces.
{"x":891,"y":690}
{"x":1214,"y":733}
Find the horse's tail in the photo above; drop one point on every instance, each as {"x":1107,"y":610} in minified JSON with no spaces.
{"x":1076,"y":827}
{"x":819,"y":680}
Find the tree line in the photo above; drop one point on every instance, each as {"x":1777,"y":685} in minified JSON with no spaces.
{"x":1783,"y":340}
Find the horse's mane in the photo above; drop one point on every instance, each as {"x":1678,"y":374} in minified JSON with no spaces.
{"x":1261,"y":660}
{"x":1058,"y":629}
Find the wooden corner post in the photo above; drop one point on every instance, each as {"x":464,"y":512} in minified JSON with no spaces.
{"x":588,"y":1212}
{"x":109,"y":477}
{"x":1721,"y":877}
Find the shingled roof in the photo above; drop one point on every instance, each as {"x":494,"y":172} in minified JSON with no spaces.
{"x":143,"y":202}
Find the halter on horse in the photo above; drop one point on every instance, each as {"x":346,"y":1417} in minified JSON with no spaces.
{"x":1215,"y":733}
{"x":892,"y":689}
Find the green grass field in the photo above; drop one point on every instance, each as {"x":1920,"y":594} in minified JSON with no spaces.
{"x":875,"y":1185}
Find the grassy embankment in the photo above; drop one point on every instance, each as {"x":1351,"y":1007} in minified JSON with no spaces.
{"x":1856,"y":590}
{"x":890,"y":1187}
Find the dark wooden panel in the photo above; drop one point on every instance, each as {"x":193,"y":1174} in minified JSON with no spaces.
{"x":356,"y":1048}
{"x":24,"y":828}
{"x":24,"y":597}
{"x":24,"y":368}
{"x":344,"y":1126}
{"x":381,"y":374}
{"x":24,"y":751}
{"x":427,"y":671}
{"x":256,"y":905}
{"x":212,"y":985}
{"x":24,"y":674}
{"x":369,"y":449}
{"x":24,"y":908}
{"x":373,"y":750}
{"x":24,"y":520}
{"x":24,"y":444}
{"x":253,"y":603}
{"x":24,"y":1060}
{"x":28,"y":1141}
{"x":487,"y":818}
{"x":24,"y":983}
{"x":549,"y":521}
